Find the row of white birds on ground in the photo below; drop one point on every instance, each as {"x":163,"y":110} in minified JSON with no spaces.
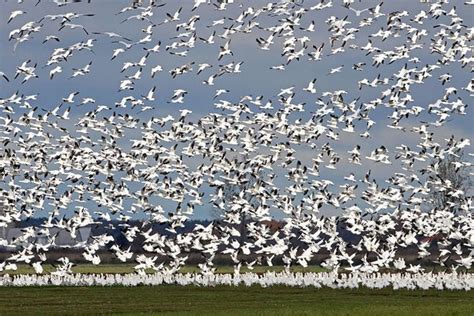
{"x":367,"y":149}
{"x":397,"y":281}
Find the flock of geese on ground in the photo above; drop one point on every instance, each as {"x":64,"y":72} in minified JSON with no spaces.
{"x":425,"y":281}
{"x":289,"y":156}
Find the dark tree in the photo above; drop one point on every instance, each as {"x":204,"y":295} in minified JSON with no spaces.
{"x":246,"y":179}
{"x":450,"y":182}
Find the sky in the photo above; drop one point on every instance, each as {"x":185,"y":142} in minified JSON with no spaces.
{"x":255,"y":79}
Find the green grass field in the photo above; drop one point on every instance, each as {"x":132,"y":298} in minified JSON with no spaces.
{"x":223,"y":300}
{"x":175,"y":300}
{"x":128,"y":268}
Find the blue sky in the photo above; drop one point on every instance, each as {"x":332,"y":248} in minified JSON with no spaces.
{"x":255,"y":79}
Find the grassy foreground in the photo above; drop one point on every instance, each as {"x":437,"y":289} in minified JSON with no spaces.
{"x":122,"y":268}
{"x":175,"y":300}
{"x":128,"y":268}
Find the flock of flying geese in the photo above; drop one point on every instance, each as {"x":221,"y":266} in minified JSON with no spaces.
{"x":288,"y":156}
